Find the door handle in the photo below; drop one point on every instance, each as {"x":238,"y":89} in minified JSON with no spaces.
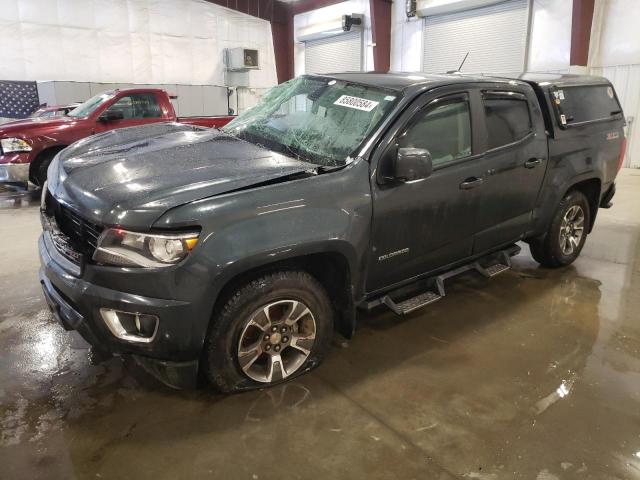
{"x":471,"y":182}
{"x":532,"y":162}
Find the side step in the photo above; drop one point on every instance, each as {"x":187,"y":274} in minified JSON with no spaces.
{"x":416,"y":302}
{"x":425,"y":298}
{"x":496,"y":269}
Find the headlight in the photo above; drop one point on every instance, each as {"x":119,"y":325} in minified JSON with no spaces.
{"x":131,"y":249}
{"x":10,"y":145}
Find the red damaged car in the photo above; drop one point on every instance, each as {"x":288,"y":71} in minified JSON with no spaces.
{"x":28,"y":146}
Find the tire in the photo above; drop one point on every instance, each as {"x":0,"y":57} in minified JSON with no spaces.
{"x":551,"y":250}
{"x":240,"y":334}
{"x":38,"y":173}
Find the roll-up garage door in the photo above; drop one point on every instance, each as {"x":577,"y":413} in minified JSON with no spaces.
{"x":495,"y":37}
{"x":341,"y":53}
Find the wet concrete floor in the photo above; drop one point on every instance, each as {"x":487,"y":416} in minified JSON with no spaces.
{"x":534,"y":374}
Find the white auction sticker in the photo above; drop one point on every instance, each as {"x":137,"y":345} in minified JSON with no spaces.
{"x":356,"y":102}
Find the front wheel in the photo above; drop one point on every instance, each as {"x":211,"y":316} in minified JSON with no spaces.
{"x":270,"y":330}
{"x":38,"y":174}
{"x":567,"y":233}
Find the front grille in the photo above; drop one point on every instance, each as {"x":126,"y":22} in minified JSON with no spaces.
{"x":74,"y":237}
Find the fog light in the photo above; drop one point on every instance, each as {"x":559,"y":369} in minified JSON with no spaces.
{"x":131,"y":327}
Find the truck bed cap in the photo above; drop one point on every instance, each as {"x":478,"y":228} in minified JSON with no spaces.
{"x":562,"y":80}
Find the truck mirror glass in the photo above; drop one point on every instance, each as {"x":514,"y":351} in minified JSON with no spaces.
{"x":413,"y":164}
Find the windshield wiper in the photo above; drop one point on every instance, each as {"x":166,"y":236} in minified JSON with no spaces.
{"x":320,"y":169}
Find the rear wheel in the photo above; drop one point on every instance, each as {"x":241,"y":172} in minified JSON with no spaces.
{"x":567,"y":233}
{"x":270,"y":330}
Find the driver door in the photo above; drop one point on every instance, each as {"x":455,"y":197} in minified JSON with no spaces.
{"x":422,"y":225}
{"x":136,"y":109}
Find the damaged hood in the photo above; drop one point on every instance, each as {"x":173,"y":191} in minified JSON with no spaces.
{"x":130,"y":177}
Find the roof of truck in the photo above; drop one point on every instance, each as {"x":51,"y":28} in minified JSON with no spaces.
{"x":403,"y":80}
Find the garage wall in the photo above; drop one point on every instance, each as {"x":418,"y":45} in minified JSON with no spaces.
{"x":324,"y":18}
{"x":339,"y":53}
{"x":192,"y":100}
{"x":550,"y":36}
{"x":548,"y":47}
{"x":133,"y":41}
{"x":615,"y":54}
{"x":494,"y":37}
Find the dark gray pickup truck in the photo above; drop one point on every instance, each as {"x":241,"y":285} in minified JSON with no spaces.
{"x":235,"y":254}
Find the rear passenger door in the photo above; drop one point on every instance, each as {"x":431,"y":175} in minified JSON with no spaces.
{"x":515,"y":161}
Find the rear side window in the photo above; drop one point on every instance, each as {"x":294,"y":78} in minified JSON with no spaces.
{"x":508,"y":120}
{"x":585,"y":104}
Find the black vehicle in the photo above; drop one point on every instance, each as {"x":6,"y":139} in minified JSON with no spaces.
{"x":236,"y":253}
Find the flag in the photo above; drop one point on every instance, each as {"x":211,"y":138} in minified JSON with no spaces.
{"x":18,"y":99}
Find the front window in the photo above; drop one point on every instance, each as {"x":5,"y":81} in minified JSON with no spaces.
{"x":137,"y":105}
{"x":87,"y":108}
{"x":444,"y":129}
{"x":317,"y":119}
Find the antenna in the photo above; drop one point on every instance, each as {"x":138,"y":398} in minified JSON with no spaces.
{"x":463,"y":60}
{"x":460,"y":67}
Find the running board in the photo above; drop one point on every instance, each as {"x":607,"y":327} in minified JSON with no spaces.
{"x":430,"y":296}
{"x":411,"y":304}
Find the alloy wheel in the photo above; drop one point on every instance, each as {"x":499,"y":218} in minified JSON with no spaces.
{"x":571,"y":229}
{"x":276,"y":341}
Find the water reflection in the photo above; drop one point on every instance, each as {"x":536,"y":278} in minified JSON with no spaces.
{"x":287,"y":399}
{"x":12,"y":196}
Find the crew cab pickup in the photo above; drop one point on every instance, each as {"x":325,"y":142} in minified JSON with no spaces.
{"x":237,"y":252}
{"x":28,"y":146}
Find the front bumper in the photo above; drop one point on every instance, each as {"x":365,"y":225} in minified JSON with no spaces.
{"x":173,"y":356}
{"x":14,"y":172}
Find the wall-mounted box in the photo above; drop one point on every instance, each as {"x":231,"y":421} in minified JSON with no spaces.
{"x":242,"y":59}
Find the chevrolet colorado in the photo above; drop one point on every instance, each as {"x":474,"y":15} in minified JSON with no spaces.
{"x":28,"y":146}
{"x":236,"y":253}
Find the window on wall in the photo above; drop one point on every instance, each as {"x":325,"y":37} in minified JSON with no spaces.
{"x":507,"y":120}
{"x":138,"y":105}
{"x":444,"y":130}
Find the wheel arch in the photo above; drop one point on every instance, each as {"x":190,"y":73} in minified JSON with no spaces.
{"x":590,"y":188}
{"x":332,"y":268}
{"x":552,"y":194}
{"x":50,"y":151}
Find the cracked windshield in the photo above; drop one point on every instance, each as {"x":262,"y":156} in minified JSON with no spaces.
{"x":319,"y":120}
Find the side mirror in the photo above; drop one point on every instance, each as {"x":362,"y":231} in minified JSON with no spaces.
{"x":111,"y":116}
{"x":412,"y":164}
